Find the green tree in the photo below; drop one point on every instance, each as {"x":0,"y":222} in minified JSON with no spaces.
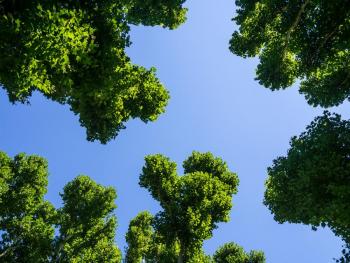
{"x":26,"y":219}
{"x":307,"y":40}
{"x":73,"y":52}
{"x":232,"y":253}
{"x":311,"y":185}
{"x":145,"y":243}
{"x":139,"y":237}
{"x":85,"y":223}
{"x":192,"y":204}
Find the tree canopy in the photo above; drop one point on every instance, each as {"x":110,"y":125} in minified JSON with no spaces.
{"x":85,"y":224}
{"x":307,"y":40}
{"x":192,"y":205}
{"x":311,"y":185}
{"x":144,"y":243}
{"x":233,"y":253}
{"x":73,"y":52}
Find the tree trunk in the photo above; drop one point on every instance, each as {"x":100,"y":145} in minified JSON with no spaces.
{"x":181,"y":256}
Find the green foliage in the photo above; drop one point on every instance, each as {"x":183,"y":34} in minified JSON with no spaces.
{"x":27,"y":222}
{"x":87,"y":226}
{"x":232,"y":253}
{"x":145,"y":243}
{"x":139,"y":237}
{"x":311,"y":185}
{"x":25,"y":217}
{"x":193,"y":204}
{"x":166,"y":13}
{"x":73,"y":52}
{"x":306,"y":39}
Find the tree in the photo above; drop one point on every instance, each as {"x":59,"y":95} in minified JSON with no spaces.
{"x":306,"y":39}
{"x":85,"y":223}
{"x":232,"y":253}
{"x":145,"y":243}
{"x":73,"y":52}
{"x":311,"y":185}
{"x":193,"y":204}
{"x":25,"y":217}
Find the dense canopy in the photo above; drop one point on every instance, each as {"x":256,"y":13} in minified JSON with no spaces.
{"x":144,"y":243}
{"x":311,"y":185}
{"x":85,"y":223}
{"x":307,"y":40}
{"x":192,"y":204}
{"x":73,"y":52}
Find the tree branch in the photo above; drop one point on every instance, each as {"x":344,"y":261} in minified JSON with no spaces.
{"x":296,"y":21}
{"x":6,"y":251}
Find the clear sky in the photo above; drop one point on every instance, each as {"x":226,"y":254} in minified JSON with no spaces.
{"x":216,"y":105}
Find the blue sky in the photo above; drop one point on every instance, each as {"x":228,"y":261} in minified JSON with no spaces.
{"x":215,"y":106}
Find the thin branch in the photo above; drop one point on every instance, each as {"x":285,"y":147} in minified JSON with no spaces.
{"x":6,"y":251}
{"x":296,"y":21}
{"x":81,"y":245}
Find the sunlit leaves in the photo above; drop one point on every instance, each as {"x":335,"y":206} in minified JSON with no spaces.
{"x":73,"y":52}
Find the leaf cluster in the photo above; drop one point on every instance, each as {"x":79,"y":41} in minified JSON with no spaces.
{"x":233,"y":253}
{"x":166,"y":13}
{"x":144,"y":243}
